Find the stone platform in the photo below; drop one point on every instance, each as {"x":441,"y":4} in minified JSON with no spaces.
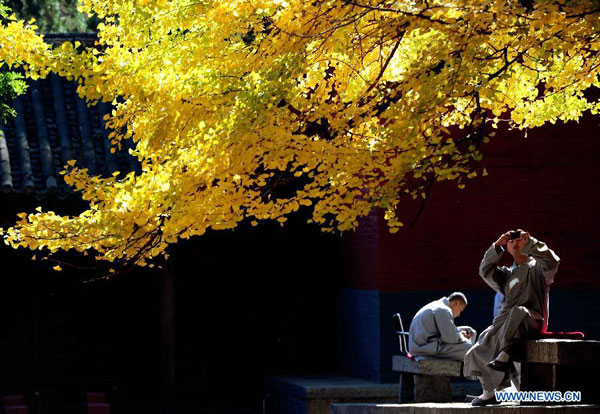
{"x":462,"y":408}
{"x":562,"y":365}
{"x":315,"y":394}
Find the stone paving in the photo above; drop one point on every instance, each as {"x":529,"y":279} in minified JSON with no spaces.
{"x":462,"y":408}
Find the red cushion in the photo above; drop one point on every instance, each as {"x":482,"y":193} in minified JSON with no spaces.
{"x":561,"y":335}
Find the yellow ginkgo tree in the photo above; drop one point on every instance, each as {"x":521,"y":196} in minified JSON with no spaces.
{"x":252,"y":109}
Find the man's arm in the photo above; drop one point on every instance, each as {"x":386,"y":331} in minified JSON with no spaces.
{"x":545,"y":257}
{"x":493,"y":275}
{"x":449,"y":333}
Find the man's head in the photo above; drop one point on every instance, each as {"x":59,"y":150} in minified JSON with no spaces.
{"x":458,"y":303}
{"x":515,"y":246}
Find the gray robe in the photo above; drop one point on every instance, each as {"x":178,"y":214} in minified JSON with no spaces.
{"x":524,"y":309}
{"x":433,"y":333}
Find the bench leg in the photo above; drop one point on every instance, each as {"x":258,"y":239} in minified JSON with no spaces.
{"x":429,"y":388}
{"x":406,"y":389}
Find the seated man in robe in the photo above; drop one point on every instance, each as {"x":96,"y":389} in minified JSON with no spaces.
{"x":433,"y":334}
{"x":523,"y":313}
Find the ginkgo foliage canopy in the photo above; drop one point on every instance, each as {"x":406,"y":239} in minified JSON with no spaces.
{"x":251,"y":109}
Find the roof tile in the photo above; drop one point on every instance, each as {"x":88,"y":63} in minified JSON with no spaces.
{"x":53,"y":125}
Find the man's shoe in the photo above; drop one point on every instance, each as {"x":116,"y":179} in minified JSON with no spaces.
{"x":500,"y":365}
{"x":480,"y":402}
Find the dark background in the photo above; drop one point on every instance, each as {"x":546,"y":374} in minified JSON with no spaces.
{"x":234,"y":307}
{"x":247,"y":303}
{"x":268,"y":300}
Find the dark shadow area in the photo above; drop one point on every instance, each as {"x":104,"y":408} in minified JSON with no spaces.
{"x":247,"y":303}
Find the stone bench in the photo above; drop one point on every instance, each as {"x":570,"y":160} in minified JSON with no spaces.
{"x":562,"y":365}
{"x":548,"y":365}
{"x":427,"y":380}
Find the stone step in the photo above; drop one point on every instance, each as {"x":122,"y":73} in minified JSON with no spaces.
{"x":16,"y":409}
{"x":461,"y":408}
{"x":315,"y":394}
{"x":13,"y":400}
{"x":98,"y":408}
{"x":463,"y":387}
{"x":331,"y":387}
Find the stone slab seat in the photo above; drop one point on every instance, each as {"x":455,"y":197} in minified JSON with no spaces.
{"x":563,"y":352}
{"x":562,"y":365}
{"x":439,"y":367}
{"x":425,"y":380}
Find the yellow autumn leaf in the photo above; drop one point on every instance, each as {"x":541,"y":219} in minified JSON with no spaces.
{"x":230,"y":121}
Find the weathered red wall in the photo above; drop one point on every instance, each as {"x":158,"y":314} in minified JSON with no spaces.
{"x":547,"y":184}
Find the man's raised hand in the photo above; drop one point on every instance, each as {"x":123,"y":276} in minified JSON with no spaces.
{"x":502,"y":240}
